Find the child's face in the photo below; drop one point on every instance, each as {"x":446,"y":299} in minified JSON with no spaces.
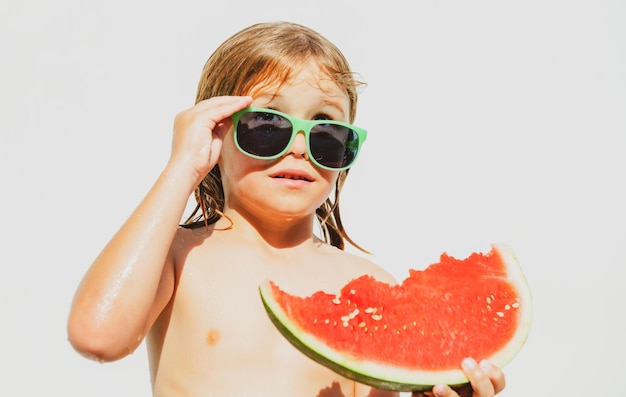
{"x":290,"y":186}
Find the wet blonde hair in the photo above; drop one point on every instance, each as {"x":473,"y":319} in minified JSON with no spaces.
{"x":266,"y":54}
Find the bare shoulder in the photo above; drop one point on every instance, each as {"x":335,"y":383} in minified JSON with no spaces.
{"x":359,"y":265}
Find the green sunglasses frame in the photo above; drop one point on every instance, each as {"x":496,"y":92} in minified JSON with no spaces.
{"x":299,"y":125}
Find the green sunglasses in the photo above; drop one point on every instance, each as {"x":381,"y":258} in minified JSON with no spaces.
{"x":268,"y":134}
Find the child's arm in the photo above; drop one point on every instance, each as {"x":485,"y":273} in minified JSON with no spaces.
{"x":132,"y":279}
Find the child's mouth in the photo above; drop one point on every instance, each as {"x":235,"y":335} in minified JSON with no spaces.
{"x":294,"y":177}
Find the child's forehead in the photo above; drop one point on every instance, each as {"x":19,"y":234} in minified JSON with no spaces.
{"x":327,"y":89}
{"x":309,"y":76}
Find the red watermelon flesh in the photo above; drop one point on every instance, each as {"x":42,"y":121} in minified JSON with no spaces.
{"x":415,"y":334}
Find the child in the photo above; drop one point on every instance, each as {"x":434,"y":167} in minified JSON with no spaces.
{"x":260,"y":185}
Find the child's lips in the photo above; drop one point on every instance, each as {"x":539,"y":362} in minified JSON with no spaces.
{"x":296,"y":175}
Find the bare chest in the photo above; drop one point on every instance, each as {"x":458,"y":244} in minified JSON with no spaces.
{"x":222,"y":301}
{"x":219,"y":332}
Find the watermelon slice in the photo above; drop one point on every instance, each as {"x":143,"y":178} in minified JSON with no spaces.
{"x":411,"y":336}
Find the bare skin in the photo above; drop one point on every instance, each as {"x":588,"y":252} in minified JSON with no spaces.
{"x":193,"y":292}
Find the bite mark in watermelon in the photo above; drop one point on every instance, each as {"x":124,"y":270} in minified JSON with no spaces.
{"x":413,"y":335}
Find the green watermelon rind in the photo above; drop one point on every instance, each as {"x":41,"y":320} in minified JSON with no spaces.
{"x":389,"y":377}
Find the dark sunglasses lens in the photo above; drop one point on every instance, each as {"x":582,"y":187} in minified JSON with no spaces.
{"x":333,"y":146}
{"x":263,"y":134}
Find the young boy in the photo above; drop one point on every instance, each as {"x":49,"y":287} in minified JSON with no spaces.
{"x":261,"y":184}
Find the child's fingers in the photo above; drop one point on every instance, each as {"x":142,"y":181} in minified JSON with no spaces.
{"x":495,"y":374}
{"x":210,"y":113}
{"x":198,"y":131}
{"x":486,"y":380}
{"x":222,"y":107}
{"x":481,"y":384}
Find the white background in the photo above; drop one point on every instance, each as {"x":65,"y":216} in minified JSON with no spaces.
{"x":489,"y":121}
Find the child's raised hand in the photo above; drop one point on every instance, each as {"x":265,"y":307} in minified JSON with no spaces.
{"x":199,"y":131}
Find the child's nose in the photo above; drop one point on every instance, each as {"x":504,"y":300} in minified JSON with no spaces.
{"x":298,"y":147}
